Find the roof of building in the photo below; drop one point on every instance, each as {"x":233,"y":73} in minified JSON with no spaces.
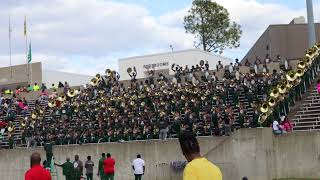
{"x":174,"y":52}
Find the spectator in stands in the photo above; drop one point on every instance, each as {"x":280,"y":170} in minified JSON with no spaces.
{"x":60,"y":85}
{"x":36,"y":87}
{"x":138,"y":166}
{"x":43,"y":87}
{"x":276,"y":127}
{"x":267,"y":59}
{"x":285,"y":124}
{"x":67,"y":169}
{"x":78,"y":168}
{"x":109,"y":167}
{"x":198,"y":167}
{"x":89,"y":168}
{"x":247,"y":63}
{"x":36,"y":171}
{"x":100,"y":166}
{"x":219,"y":66}
{"x":29,"y":88}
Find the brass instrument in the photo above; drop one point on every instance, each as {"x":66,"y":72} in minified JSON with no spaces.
{"x":23,"y":123}
{"x":264,"y":107}
{"x":94,"y":81}
{"x":11,"y":127}
{"x":272,"y":101}
{"x":143,"y":104}
{"x":301,"y":64}
{"x":291,"y":75}
{"x":311,"y":54}
{"x":108,"y":72}
{"x":62,"y":97}
{"x":299,"y":72}
{"x":34,"y":115}
{"x":98,"y":76}
{"x":274,"y":93}
{"x":51,"y":103}
{"x":72,"y":93}
{"x":282,"y":88}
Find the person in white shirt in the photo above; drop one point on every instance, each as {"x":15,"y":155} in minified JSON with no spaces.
{"x":276,"y":127}
{"x":138,"y":167}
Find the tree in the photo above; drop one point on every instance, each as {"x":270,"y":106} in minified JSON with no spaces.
{"x":211,"y":25}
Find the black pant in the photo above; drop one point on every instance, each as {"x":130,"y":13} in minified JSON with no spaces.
{"x":137,"y":176}
{"x":89,"y":176}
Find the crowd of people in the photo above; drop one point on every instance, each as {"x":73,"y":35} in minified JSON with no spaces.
{"x":194,"y":99}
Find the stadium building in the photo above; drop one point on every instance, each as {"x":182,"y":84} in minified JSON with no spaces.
{"x":162,"y":62}
{"x":22,"y":75}
{"x":287,"y":40}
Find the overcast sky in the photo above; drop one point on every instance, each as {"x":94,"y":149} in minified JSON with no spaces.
{"x":88,"y":36}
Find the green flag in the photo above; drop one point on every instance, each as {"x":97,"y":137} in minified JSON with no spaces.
{"x":29,"y":54}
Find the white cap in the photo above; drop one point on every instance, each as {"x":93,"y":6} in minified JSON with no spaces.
{"x":282,"y":118}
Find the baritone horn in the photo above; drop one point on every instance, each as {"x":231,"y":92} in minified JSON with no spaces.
{"x":299,"y":72}
{"x":282,"y":88}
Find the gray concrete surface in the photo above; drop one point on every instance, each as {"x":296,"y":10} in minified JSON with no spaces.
{"x":255,"y":153}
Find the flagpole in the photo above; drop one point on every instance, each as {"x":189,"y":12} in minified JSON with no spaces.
{"x":26,"y":36}
{"x":10,"y":47}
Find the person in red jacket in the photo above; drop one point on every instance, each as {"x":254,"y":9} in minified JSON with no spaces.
{"x":37,"y":172}
{"x":108,"y":166}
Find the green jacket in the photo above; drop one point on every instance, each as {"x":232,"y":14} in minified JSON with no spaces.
{"x":67,"y":168}
{"x":100,"y":166}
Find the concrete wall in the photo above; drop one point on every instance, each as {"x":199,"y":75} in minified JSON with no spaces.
{"x":164,"y":61}
{"x":20,"y":75}
{"x":255,"y":153}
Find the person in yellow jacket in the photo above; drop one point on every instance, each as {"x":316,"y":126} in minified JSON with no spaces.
{"x":198,"y":167}
{"x":36,"y":87}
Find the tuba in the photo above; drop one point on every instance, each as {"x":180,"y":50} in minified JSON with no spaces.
{"x":299,"y":72}
{"x":71,"y":93}
{"x":94,"y":81}
{"x":34,"y":115}
{"x":62,"y":97}
{"x":51,"y":103}
{"x":282,"y":88}
{"x":23,"y":123}
{"x":108,"y":72}
{"x":272,"y":101}
{"x":264,"y":107}
{"x":274,"y":93}
{"x":291,"y":75}
{"x":301,"y":64}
